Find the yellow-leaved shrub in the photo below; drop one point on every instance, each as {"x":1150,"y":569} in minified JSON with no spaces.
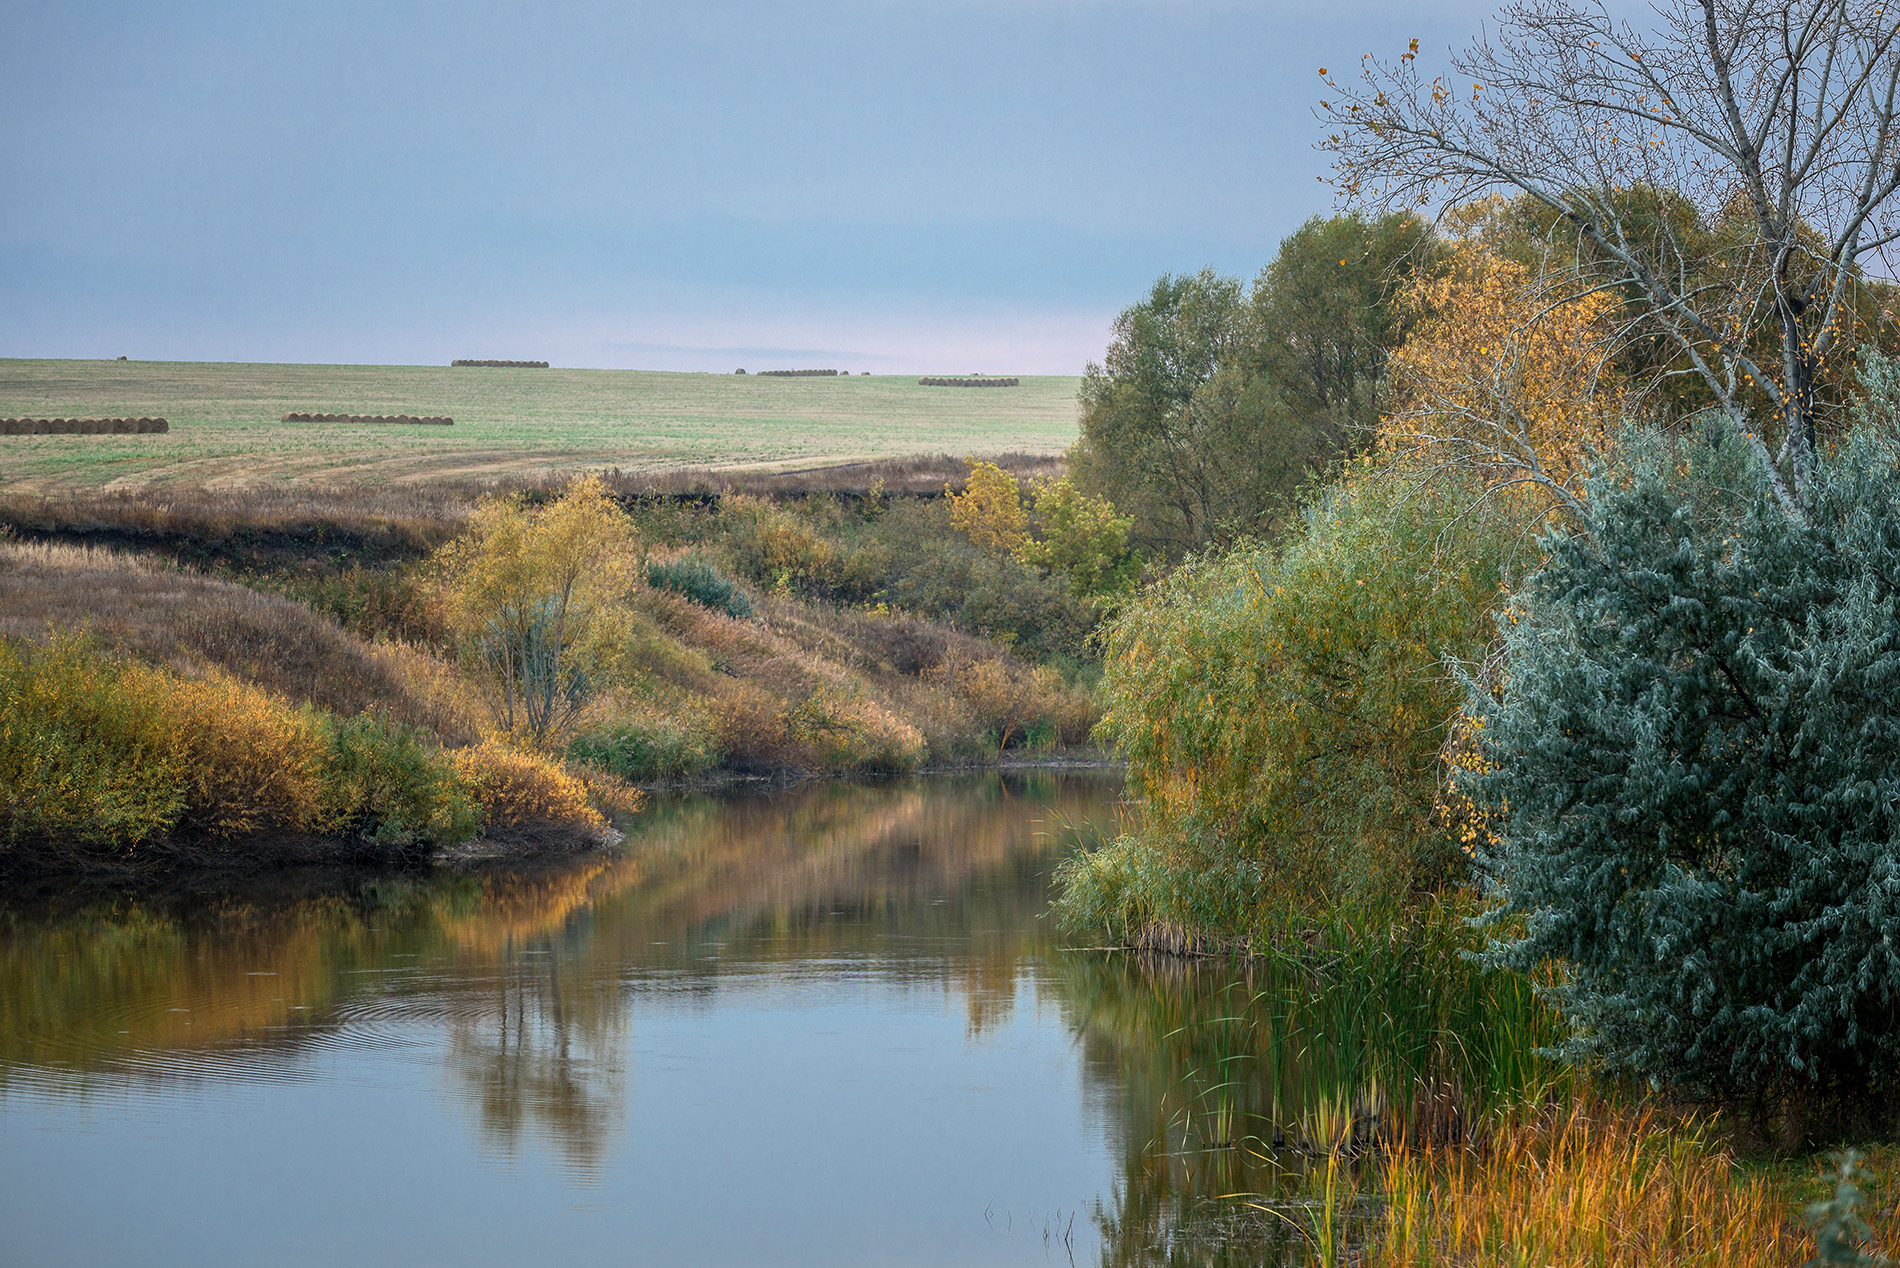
{"x":87,"y":753}
{"x":256,"y":764}
{"x":520,"y":792}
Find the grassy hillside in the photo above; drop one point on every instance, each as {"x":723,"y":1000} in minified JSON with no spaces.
{"x":225,"y":429}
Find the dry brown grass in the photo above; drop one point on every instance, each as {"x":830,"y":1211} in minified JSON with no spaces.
{"x":186,"y":621}
{"x":920,"y":475}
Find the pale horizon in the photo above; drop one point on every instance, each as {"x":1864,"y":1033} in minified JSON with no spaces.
{"x":895,"y":188}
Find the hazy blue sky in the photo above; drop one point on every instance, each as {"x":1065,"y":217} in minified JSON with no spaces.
{"x":874,"y":185}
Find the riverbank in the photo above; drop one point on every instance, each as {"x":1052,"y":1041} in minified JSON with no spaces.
{"x":188,"y":676}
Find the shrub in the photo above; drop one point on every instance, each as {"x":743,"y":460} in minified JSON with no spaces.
{"x":938,"y":573}
{"x":1693,"y":776}
{"x":390,"y":787}
{"x":641,"y":749}
{"x":1005,"y":700}
{"x":1282,"y":710}
{"x":254,"y":764}
{"x":1081,"y":538}
{"x":520,"y":793}
{"x":86,"y":747}
{"x":98,"y":751}
{"x":840,"y":731}
{"x":780,"y":549}
{"x":531,"y":594}
{"x":699,"y":581}
{"x":989,"y":511}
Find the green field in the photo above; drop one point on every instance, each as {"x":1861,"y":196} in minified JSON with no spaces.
{"x":225,"y":428}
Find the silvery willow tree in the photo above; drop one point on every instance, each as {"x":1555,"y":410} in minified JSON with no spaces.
{"x":1693,"y":758}
{"x":1695,"y":768}
{"x":1773,"y":122}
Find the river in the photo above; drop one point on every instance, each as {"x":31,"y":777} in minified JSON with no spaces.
{"x":827,"y":1025}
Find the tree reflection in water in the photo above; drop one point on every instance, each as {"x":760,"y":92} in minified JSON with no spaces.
{"x":530,"y":981}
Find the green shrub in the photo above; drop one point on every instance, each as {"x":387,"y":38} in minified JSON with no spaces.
{"x":699,"y":581}
{"x":644,"y":749}
{"x":937,"y":573}
{"x":1282,"y":711}
{"x":87,"y":749}
{"x":1692,"y":766}
{"x":391,"y":788}
{"x":98,"y":751}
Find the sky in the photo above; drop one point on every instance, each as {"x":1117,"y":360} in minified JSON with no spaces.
{"x":952,"y":187}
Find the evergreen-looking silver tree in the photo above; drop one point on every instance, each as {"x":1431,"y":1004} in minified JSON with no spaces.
{"x":1694,"y":761}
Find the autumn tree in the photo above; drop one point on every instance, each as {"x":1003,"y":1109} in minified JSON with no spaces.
{"x":1774,"y":122}
{"x":1081,"y":538}
{"x":1504,"y":378}
{"x":989,"y":511}
{"x":531,"y":593}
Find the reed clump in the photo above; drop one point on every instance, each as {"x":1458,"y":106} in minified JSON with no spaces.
{"x":1591,"y":1183}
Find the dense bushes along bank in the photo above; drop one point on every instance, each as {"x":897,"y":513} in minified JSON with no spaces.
{"x":103,"y":753}
{"x":595,"y":638}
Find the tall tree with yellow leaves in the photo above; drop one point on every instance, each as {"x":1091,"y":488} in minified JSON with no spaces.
{"x":1505,"y":376}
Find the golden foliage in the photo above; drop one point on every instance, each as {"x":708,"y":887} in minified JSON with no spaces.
{"x":87,"y":752}
{"x":1499,"y":379}
{"x":518,"y":790}
{"x":533,"y":594}
{"x":990,"y":511}
{"x":256,"y":764}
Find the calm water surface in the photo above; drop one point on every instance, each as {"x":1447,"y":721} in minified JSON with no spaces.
{"x":825,"y":1026}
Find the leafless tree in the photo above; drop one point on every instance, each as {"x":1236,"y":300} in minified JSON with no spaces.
{"x":1772,"y":120}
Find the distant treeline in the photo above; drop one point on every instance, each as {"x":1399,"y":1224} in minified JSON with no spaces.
{"x":81,"y":426}
{"x":937,"y":382}
{"x":506,"y":365}
{"x":435,"y":421}
{"x":795,"y":374}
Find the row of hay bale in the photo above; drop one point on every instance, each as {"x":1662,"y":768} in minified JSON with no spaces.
{"x":82,"y":426}
{"x":933,"y":381}
{"x":412,"y":419}
{"x":504,"y":365}
{"x":797,"y":374}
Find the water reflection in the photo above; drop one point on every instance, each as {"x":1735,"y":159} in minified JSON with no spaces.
{"x":527,"y":991}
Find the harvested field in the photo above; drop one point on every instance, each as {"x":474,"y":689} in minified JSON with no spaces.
{"x":82,"y":426}
{"x":226,"y":428}
{"x":941,"y":382}
{"x":798,"y":374}
{"x":409,"y":419}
